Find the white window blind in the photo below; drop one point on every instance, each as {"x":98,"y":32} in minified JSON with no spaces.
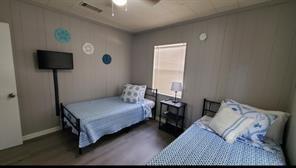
{"x":169,"y":62}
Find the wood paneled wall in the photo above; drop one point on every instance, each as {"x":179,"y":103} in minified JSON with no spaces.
{"x":291,"y":132}
{"x":249,"y":56}
{"x":33,"y":28}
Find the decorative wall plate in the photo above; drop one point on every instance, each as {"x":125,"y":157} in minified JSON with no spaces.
{"x":107,"y":59}
{"x":62,"y":35}
{"x":203,"y":36}
{"x":88,"y":48}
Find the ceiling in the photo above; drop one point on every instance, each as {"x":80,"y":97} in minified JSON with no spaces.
{"x":142,"y":16}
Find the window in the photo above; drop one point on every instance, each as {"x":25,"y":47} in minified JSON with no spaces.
{"x":169,"y":62}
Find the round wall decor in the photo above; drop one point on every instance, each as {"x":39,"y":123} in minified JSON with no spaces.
{"x":107,"y":59}
{"x":62,"y":35}
{"x":88,"y":48}
{"x":203,"y":36}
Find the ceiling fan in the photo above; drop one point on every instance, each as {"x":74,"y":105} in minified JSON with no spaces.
{"x":115,"y":3}
{"x":124,"y":2}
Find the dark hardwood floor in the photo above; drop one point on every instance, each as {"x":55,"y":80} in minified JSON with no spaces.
{"x":132,"y":146}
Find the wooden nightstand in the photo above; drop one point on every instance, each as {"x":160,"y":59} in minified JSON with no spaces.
{"x":171,"y":116}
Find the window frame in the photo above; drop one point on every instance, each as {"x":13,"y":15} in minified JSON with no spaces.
{"x":153,"y":72}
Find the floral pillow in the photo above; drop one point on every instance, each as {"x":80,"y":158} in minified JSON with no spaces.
{"x":133,"y":93}
{"x":258,"y":130}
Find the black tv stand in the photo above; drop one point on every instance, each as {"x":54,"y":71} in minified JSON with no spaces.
{"x":54,"y":60}
{"x":56,"y":91}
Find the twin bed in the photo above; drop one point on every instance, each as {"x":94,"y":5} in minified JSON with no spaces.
{"x":90,"y":120}
{"x":198,"y":146}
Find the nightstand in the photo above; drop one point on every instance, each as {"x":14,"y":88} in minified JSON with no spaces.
{"x":171,"y":116}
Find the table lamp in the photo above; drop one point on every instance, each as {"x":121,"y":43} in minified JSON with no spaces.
{"x":176,"y":87}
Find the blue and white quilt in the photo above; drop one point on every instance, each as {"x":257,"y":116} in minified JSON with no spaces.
{"x":199,"y":146}
{"x":106,"y":116}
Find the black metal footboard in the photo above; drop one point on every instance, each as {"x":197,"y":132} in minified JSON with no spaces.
{"x":74,"y":121}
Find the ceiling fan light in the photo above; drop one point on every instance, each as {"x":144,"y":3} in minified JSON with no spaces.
{"x":119,"y":2}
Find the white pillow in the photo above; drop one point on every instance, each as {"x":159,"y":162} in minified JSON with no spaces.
{"x":206,"y":120}
{"x":230,"y":124}
{"x":276,"y":130}
{"x":142,"y":92}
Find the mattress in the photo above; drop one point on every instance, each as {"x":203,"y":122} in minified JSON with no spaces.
{"x":106,"y":116}
{"x":197,"y":146}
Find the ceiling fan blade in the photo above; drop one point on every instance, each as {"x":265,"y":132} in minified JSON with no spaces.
{"x":90,"y":7}
{"x":152,"y":2}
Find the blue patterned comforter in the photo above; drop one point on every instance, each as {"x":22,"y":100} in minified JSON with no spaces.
{"x":106,"y":116}
{"x":197,"y":146}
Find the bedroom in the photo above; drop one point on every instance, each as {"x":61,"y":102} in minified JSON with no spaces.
{"x":234,"y":49}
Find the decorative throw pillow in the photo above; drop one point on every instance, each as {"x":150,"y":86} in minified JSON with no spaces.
{"x":262,"y":122}
{"x":133,"y":93}
{"x":276,"y":130}
{"x":230,"y":124}
{"x":123,"y":90}
{"x":142,"y":90}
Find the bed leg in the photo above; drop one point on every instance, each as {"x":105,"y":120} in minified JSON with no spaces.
{"x":78,"y":129}
{"x":155,"y":106}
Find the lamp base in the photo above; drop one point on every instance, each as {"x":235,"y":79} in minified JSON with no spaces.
{"x":175,"y":100}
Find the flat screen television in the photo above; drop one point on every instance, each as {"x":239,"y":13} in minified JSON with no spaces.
{"x":54,"y":60}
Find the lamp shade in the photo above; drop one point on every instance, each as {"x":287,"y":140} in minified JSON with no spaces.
{"x":120,"y":2}
{"x":176,"y":86}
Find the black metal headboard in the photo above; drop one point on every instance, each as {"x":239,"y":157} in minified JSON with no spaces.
{"x":152,"y":94}
{"x":210,"y":107}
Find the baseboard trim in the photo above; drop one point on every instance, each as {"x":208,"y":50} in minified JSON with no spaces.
{"x":41,"y":133}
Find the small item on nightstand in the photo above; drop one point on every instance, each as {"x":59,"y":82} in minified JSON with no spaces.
{"x":176,"y":87}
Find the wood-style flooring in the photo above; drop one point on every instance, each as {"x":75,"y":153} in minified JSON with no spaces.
{"x":132,"y":146}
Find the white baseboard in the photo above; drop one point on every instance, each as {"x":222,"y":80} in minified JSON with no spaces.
{"x":40,"y":133}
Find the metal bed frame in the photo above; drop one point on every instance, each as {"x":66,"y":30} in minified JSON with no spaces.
{"x":75,"y":122}
{"x":210,"y":107}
